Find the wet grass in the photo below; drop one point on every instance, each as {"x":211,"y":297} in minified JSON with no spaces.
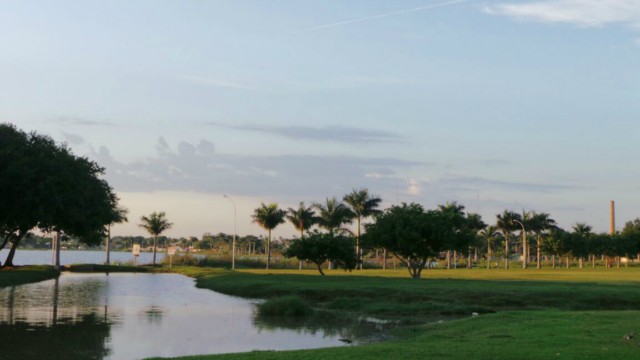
{"x":26,"y":274}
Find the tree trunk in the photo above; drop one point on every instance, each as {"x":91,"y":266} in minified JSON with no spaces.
{"x":506,"y":257}
{"x":553,"y":261}
{"x":469,"y":262}
{"x":108,"y":245}
{"x":155,"y":239}
{"x":488,"y":256}
{"x":269,"y":249}
{"x":568,"y":261}
{"x":57,"y":252}
{"x":12,"y":253}
{"x":320,"y":269}
{"x":593,"y":261}
{"x":384,"y":259}
{"x":448,"y":259}
{"x":538,"y":262}
{"x":359,"y":251}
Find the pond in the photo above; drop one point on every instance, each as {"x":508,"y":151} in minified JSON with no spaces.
{"x":67,"y":257}
{"x":134,"y":316}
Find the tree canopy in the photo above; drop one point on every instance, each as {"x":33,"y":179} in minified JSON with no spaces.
{"x":44,"y":186}
{"x":319,"y":248}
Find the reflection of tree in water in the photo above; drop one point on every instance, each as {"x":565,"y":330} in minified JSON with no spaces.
{"x":359,"y":330}
{"x":153,"y":314}
{"x":78,"y":338}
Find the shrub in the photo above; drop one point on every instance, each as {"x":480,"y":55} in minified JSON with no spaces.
{"x":285,"y":306}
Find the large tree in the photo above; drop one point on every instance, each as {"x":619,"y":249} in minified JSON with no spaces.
{"x":43,"y":185}
{"x":363,"y":205}
{"x":319,"y":248}
{"x":269,"y":217}
{"x":411,"y":234}
{"x":155,"y":224}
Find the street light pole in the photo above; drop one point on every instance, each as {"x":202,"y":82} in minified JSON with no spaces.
{"x":524,"y":245}
{"x":233,"y":248}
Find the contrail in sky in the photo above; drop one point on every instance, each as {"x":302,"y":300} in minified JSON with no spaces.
{"x":374,"y":17}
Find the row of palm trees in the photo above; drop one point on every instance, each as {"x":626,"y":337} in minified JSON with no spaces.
{"x":331,"y":216}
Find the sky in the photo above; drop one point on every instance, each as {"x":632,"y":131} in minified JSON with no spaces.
{"x":522,"y":105}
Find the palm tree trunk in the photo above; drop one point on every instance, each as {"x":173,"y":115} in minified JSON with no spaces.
{"x":108,"y":244}
{"x":155,"y":240}
{"x":269,"y":249}
{"x":359,"y":251}
{"x":384,"y":259}
{"x":488,"y":255}
{"x":538,"y":264}
{"x":506,"y":257}
{"x":448,"y":259}
{"x":301,"y":234}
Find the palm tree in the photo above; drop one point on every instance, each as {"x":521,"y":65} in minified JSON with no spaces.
{"x":506,"y":224}
{"x":489,"y":233}
{"x":155,"y":224}
{"x":455,"y":213}
{"x":332,"y":215}
{"x":584,"y":232}
{"x":119,"y":216}
{"x":268,"y":217}
{"x":540,"y":224}
{"x":363,"y":206}
{"x":303,"y":218}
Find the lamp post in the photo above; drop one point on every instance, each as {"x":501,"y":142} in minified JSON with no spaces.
{"x":233,"y":247}
{"x":524,"y":245}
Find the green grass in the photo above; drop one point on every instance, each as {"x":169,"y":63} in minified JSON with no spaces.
{"x":26,"y":274}
{"x":524,"y":314}
{"x":285,"y":306}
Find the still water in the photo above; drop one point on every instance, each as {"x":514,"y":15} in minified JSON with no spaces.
{"x":67,"y":257}
{"x":133,"y":316}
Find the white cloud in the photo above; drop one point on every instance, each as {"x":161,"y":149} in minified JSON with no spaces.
{"x":586,"y":13}
{"x":413,"y":187}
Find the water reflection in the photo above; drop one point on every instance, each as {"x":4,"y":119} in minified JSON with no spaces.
{"x":357,"y":330}
{"x":133,"y":316}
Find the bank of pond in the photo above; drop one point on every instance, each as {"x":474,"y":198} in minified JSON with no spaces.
{"x":475,"y":313}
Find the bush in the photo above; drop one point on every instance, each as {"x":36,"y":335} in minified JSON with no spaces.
{"x":285,"y":306}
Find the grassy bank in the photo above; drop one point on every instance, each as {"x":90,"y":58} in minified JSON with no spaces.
{"x":459,"y":292}
{"x":553,"y":313}
{"x":106,"y":268}
{"x":27,"y":274}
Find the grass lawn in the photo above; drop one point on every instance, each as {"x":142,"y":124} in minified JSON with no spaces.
{"x":27,"y":274}
{"x":524,"y":314}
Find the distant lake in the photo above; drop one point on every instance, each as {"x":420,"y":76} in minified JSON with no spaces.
{"x":67,"y":257}
{"x":133,"y":316}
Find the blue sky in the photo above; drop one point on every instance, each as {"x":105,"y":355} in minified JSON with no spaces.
{"x":498,"y":105}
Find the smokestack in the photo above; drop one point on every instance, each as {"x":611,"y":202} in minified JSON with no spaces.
{"x":612,"y":217}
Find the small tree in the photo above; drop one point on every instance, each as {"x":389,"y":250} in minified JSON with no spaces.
{"x":319,"y":248}
{"x":155,"y":224}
